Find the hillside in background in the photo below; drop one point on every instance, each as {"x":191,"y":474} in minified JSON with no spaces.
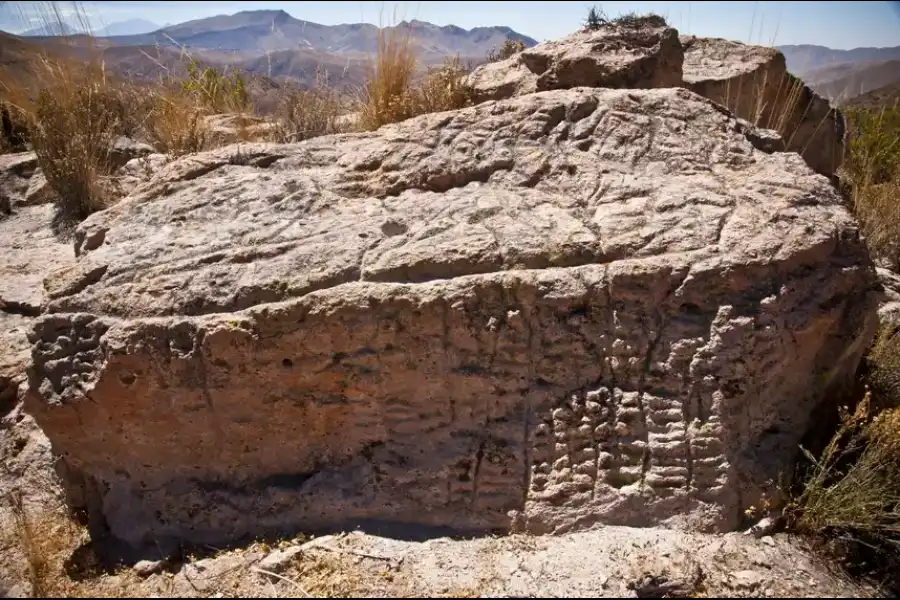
{"x":841,"y":75}
{"x":127,"y":27}
{"x":884,"y":97}
{"x":805,"y":58}
{"x":845,"y":81}
{"x":268,"y":43}
{"x":272,"y":43}
{"x":263,"y":31}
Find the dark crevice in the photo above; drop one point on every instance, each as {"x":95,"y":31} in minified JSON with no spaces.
{"x":22,"y":309}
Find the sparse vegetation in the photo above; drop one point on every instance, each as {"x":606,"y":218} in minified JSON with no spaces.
{"x":850,"y":496}
{"x":850,"y":499}
{"x":393,"y":93}
{"x":873,"y":167}
{"x":304,"y":114}
{"x":595,"y":19}
{"x":216,"y":90}
{"x":72,"y":120}
{"x":510,"y":47}
{"x":175,"y":126}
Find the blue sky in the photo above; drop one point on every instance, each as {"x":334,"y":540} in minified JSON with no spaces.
{"x":840,"y":25}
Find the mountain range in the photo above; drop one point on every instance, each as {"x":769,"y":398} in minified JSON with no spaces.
{"x":844,"y":74}
{"x":256,"y":32}
{"x":120,"y":28}
{"x":274,"y":43}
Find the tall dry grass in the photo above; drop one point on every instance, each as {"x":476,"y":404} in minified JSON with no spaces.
{"x":873,"y":168}
{"x":387,"y":96}
{"x":304,"y":114}
{"x":72,"y":111}
{"x":396,"y":90}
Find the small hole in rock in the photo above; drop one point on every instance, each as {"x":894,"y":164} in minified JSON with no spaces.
{"x":287,"y":363}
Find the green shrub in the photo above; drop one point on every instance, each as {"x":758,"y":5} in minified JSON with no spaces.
{"x":218,"y":91}
{"x":873,"y":169}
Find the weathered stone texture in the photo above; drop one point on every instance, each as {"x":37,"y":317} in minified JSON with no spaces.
{"x":573,"y":307}
{"x":753,"y":81}
{"x":643,"y":55}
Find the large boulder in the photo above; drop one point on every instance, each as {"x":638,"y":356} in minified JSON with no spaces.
{"x":754,"y":82}
{"x":574,"y":307}
{"x":637,"y":53}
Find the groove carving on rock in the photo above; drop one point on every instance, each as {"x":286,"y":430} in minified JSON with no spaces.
{"x":563,"y":309}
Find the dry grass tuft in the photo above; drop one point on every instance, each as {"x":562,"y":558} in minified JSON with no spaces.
{"x":174,"y":125}
{"x":387,"y":94}
{"x":45,"y":543}
{"x":72,"y":120}
{"x":873,"y":166}
{"x":393,"y":92}
{"x":443,"y":88}
{"x":509,"y":48}
{"x":305,"y":114}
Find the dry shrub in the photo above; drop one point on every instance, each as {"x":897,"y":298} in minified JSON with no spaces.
{"x":72,"y":120}
{"x":13,"y":129}
{"x":443,"y":88}
{"x":175,"y":125}
{"x":393,"y":93}
{"x":510,"y":47}
{"x":850,"y":497}
{"x":387,"y":93}
{"x":873,"y":167}
{"x":304,"y":114}
{"x":45,"y":542}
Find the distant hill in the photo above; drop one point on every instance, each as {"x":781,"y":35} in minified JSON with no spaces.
{"x":887,"y":96}
{"x":52,"y":29}
{"x":805,"y":58}
{"x":19,"y":58}
{"x":120,"y":28}
{"x":263,"y":31}
{"x":129,"y":27}
{"x":844,"y":81}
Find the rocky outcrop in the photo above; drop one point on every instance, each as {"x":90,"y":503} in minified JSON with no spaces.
{"x":28,"y":249}
{"x":20,"y":179}
{"x":754,"y":83}
{"x":643,"y":53}
{"x":573,"y":307}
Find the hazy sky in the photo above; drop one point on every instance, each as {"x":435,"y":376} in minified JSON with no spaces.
{"x":841,"y":25}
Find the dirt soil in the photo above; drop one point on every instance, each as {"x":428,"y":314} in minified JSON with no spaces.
{"x":46,"y":555}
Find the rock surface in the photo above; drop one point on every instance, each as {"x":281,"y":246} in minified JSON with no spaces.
{"x":754,"y":83}
{"x":28,"y":249}
{"x":645,"y":54}
{"x":569,"y":308}
{"x":16,"y":174}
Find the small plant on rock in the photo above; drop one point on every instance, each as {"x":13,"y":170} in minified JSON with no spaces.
{"x":596,"y":19}
{"x":510,"y":46}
